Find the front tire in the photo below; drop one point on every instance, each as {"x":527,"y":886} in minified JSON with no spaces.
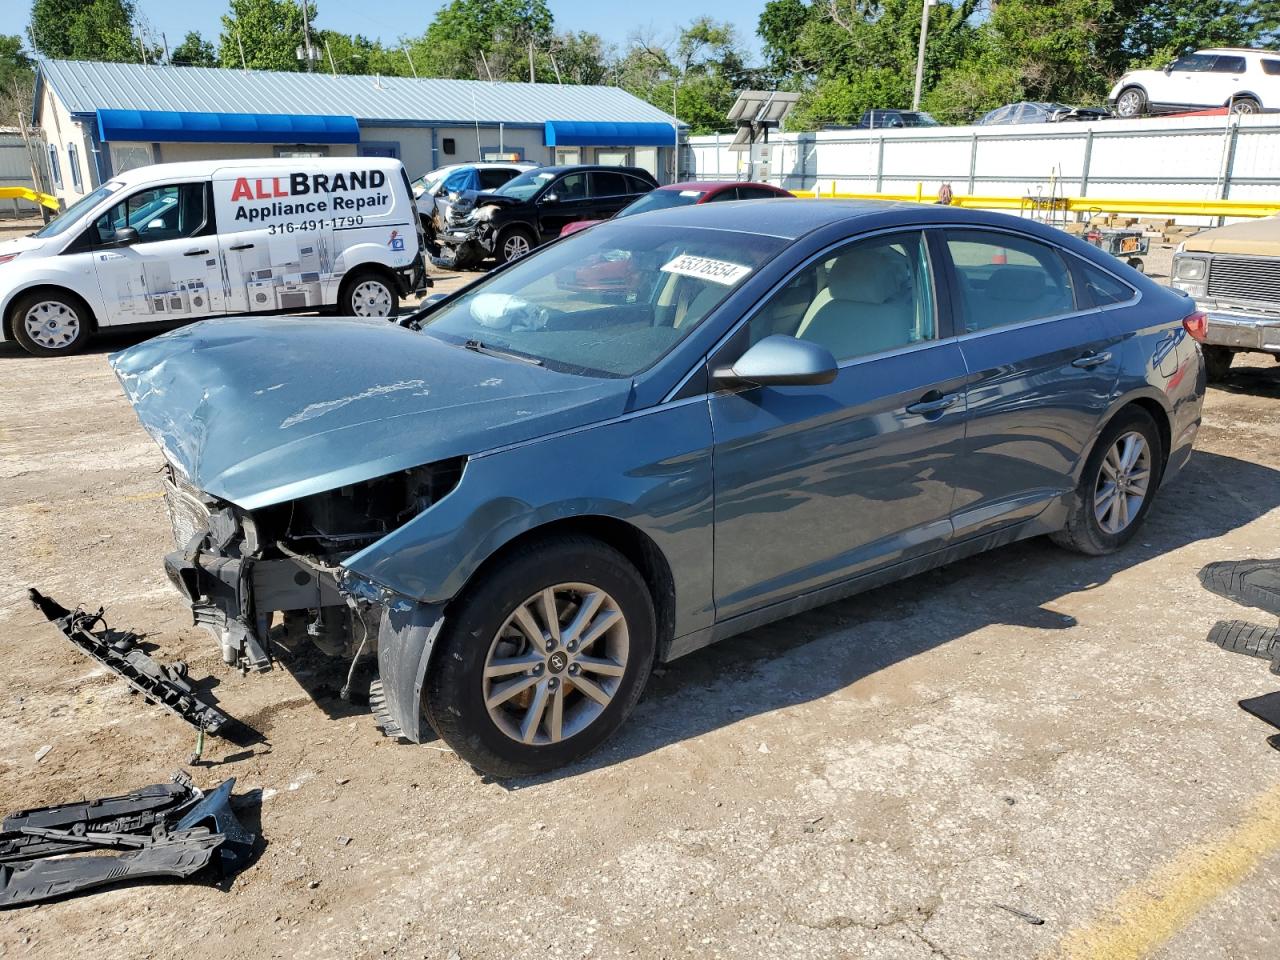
{"x":368,"y":293}
{"x":513,"y":243}
{"x":51,"y":323}
{"x":1132,"y":102}
{"x":1217,"y":362}
{"x":543,"y":659}
{"x":1117,"y":485}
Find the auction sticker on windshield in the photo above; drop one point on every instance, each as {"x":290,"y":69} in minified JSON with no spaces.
{"x":706,"y":268}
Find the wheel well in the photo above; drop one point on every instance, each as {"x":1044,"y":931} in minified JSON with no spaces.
{"x":1161,"y":418}
{"x":1246,"y":95}
{"x":629,"y":541}
{"x":11,"y":312}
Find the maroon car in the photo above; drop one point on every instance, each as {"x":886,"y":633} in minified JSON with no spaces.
{"x":687,"y":194}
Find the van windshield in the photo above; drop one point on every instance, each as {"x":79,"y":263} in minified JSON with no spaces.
{"x":68,"y":218}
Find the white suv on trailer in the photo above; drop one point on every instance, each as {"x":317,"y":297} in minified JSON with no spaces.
{"x":1246,"y":80}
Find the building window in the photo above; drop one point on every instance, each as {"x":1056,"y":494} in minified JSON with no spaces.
{"x":613,"y":158}
{"x":73,"y":166}
{"x":129,"y":156}
{"x":449,"y":145}
{"x":301,"y":151}
{"x":55,"y":170}
{"x":568,"y":156}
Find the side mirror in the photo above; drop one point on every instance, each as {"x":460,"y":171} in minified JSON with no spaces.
{"x":780,"y":361}
{"x":1168,"y":69}
{"x":551,"y":198}
{"x":125,"y":237}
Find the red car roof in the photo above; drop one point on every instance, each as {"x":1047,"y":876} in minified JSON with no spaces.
{"x":715,"y":186}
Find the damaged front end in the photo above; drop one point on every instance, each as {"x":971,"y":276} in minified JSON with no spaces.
{"x":274,"y":574}
{"x":469,"y":234}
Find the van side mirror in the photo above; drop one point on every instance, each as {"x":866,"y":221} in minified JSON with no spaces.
{"x":780,"y":361}
{"x":125,"y":237}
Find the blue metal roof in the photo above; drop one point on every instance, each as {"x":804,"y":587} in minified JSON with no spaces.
{"x":86,"y":87}
{"x":585,"y":133}
{"x":171,"y":126}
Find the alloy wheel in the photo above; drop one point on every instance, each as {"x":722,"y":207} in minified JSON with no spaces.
{"x":556,"y":663}
{"x":371,"y":298}
{"x":515,"y":246}
{"x":1129,"y":104}
{"x":52,"y":324}
{"x":1122,"y":483}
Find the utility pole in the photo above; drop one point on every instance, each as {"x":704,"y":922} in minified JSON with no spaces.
{"x":306,"y":38}
{"x":924,"y":33}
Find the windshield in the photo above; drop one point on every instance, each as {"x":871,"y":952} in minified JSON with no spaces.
{"x":610,"y":301}
{"x":67,"y":219}
{"x":526,"y":185}
{"x":661,"y":200}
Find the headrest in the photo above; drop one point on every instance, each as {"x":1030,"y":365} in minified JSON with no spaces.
{"x":871,"y":275}
{"x":1018,"y":284}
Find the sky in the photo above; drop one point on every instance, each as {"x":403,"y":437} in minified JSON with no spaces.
{"x":388,"y":20}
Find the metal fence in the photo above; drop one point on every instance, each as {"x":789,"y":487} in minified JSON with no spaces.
{"x":15,"y":171}
{"x":1194,"y":158}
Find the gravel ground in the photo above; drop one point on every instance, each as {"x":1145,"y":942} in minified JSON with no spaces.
{"x":882,"y":778}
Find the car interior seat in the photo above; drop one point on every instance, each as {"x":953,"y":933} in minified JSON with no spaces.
{"x":1013,"y":294}
{"x":869,"y":305}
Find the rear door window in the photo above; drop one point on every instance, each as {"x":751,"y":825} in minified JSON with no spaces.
{"x":608,"y":184}
{"x":1004,"y":279}
{"x":493,"y":179}
{"x":1225,"y":64}
{"x":635,"y":185}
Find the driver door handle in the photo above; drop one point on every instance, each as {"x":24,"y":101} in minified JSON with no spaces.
{"x":241,"y":246}
{"x":933,"y":406}
{"x":1090,"y":360}
{"x":195,"y":253}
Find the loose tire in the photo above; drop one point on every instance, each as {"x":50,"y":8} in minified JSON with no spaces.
{"x":1132,"y":102}
{"x":514,"y":243}
{"x":51,"y":323}
{"x":368,"y":293}
{"x":1217,"y":362}
{"x":515,"y":690}
{"x":1117,"y":485}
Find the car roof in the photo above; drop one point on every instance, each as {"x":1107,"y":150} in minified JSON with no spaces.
{"x":160,"y":172}
{"x":566,"y":167}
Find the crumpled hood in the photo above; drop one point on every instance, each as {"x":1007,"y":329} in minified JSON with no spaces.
{"x":261,"y":410}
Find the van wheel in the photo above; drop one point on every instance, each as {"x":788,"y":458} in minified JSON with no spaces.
{"x":368,"y":293}
{"x":543,"y":659}
{"x":1132,"y":102}
{"x":513,"y":243}
{"x":51,"y":323}
{"x":1116,"y":488}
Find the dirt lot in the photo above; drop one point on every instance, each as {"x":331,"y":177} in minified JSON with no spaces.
{"x":879,"y":779}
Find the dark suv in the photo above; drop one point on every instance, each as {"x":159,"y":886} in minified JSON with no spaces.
{"x":533,"y":208}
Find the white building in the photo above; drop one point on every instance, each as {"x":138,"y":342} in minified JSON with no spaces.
{"x":100,"y":118}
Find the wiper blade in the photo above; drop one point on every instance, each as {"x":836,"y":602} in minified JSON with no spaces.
{"x":479,"y":347}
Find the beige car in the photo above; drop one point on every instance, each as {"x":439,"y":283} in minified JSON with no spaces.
{"x":1233,"y":273}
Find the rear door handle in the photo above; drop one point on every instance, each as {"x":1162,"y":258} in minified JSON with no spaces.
{"x":934,"y":406}
{"x":241,"y":246}
{"x":195,"y":253}
{"x":1090,"y":360}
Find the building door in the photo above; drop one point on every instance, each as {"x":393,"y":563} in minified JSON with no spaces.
{"x":171,"y":270}
{"x":647,"y":160}
{"x":568,"y":156}
{"x":616,"y":157}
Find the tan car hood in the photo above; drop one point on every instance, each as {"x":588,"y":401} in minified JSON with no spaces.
{"x":1258,"y":238}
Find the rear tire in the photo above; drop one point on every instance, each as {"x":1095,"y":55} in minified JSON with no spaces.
{"x":368,"y":293}
{"x":1217,"y":362}
{"x":1113,"y":496}
{"x":488,"y":638}
{"x":51,"y":323}
{"x":1245,"y":106}
{"x":1132,"y":102}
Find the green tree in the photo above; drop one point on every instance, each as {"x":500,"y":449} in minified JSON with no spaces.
{"x":17,"y":76}
{"x":485,"y":39}
{"x":194,"y":51}
{"x":80,"y":30}
{"x":270,"y":31}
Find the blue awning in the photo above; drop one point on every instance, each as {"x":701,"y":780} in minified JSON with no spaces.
{"x":170,"y":126}
{"x":579,"y":133}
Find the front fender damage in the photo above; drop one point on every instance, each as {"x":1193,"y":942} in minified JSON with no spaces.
{"x":407,"y":633}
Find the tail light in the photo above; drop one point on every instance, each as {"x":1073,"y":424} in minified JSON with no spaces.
{"x":1196,"y":324}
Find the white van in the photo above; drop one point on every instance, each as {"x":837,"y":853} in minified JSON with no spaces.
{"x":180,"y":241}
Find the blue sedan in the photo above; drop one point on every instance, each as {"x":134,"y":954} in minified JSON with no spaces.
{"x":649,"y":437}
